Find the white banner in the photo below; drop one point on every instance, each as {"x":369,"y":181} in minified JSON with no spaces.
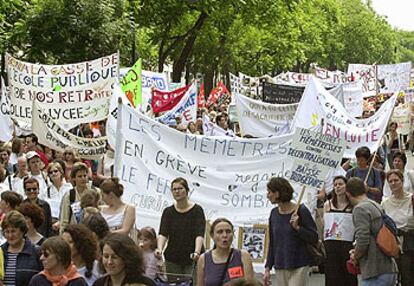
{"x":212,"y":129}
{"x":54,"y":136}
{"x":351,"y":96}
{"x":186,"y":108}
{"x":367,"y":75}
{"x":401,"y":116}
{"x":69,"y":94}
{"x":261,"y":119}
{"x":227,"y":176}
{"x":394,"y":77}
{"x":319,"y":109}
{"x":314,"y":155}
{"x":6,"y":124}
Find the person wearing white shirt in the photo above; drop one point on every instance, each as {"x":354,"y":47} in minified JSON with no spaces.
{"x":35,"y":167}
{"x":15,"y":181}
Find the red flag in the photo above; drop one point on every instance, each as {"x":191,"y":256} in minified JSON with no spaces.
{"x":217,"y":92}
{"x":166,"y":100}
{"x":201,"y":99}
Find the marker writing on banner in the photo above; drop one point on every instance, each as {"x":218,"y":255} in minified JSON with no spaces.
{"x":149,"y":202}
{"x":169,"y":162}
{"x":248,"y":201}
{"x":145,"y":127}
{"x":133,"y":149}
{"x":129,"y":174}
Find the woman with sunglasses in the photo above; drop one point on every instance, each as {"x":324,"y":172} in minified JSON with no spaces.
{"x":56,"y":190}
{"x":70,"y":158}
{"x":58,"y":269}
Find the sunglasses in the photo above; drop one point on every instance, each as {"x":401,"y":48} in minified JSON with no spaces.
{"x":29,"y":190}
{"x":53,"y":171}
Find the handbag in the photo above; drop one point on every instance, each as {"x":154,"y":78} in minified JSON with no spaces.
{"x":352,"y":268}
{"x":317,"y":252}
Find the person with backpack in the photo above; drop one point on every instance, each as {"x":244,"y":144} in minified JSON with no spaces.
{"x":70,"y":210}
{"x":400,"y":207}
{"x":374,"y":181}
{"x":377,"y":268}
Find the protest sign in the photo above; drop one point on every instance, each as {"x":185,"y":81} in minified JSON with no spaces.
{"x":6,"y":124}
{"x":131,"y":84}
{"x":212,"y":129}
{"x":227,"y":176}
{"x":401,"y":116}
{"x":314,"y":154}
{"x":234,"y":83}
{"x":318,"y":109}
{"x":186,"y":108}
{"x":218,"y":92}
{"x":69,"y":94}
{"x":351,"y":96}
{"x":282,"y":93}
{"x":394,"y":77}
{"x":164,"y":101}
{"x":54,"y":136}
{"x":261,"y":119}
{"x":250,"y":86}
{"x":367,"y":75}
{"x":338,"y":226}
{"x":332,"y":77}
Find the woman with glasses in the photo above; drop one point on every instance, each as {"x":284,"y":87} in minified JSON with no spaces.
{"x":21,"y":257}
{"x":70,"y":158}
{"x":183,"y":226}
{"x":58,"y":269}
{"x":56,"y":190}
{"x":119,"y":215}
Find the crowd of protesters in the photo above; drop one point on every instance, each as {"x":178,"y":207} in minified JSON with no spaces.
{"x":64,"y":222}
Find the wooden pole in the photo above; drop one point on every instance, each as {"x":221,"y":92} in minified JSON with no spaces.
{"x":302,"y":192}
{"x":370,"y":166}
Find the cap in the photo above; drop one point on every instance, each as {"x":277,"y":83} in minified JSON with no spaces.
{"x":31,"y":154}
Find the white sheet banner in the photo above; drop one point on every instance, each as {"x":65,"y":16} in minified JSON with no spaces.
{"x":212,"y":129}
{"x":367,"y":74}
{"x":186,"y":108}
{"x":227,"y":176}
{"x":351,"y":96}
{"x":69,"y":94}
{"x":250,"y":86}
{"x":6,"y":124}
{"x":401,"y":115}
{"x":394,"y":77}
{"x":54,"y":136}
{"x":319,"y":109}
{"x":261,"y":119}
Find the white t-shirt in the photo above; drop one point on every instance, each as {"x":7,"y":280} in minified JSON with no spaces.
{"x":95,"y":273}
{"x":56,"y":196}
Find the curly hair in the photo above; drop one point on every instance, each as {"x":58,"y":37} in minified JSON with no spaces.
{"x":125,"y":248}
{"x":85,"y":243}
{"x":97,"y":224}
{"x":32,"y":211}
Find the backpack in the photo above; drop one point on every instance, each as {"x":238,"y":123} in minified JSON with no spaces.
{"x":386,"y":237}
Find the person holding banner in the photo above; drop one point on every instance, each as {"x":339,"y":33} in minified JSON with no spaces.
{"x":371,"y":176}
{"x":400,"y":207}
{"x":290,"y":229}
{"x":224,"y":263}
{"x":338,"y":236}
{"x":183,"y":226}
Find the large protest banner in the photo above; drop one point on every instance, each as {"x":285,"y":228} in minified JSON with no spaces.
{"x":69,"y":94}
{"x":261,"y":119}
{"x":186,"y":108}
{"x":54,"y":136}
{"x":351,"y":96}
{"x":394,"y":77}
{"x":314,"y":155}
{"x":6,"y":124}
{"x":165,"y":100}
{"x":282,"y":93}
{"x":367,"y":74}
{"x":227,"y":176}
{"x":212,"y":129}
{"x":318,"y":110}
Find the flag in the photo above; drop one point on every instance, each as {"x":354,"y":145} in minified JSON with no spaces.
{"x":217,"y":92}
{"x":201,"y":99}
{"x":131,"y":84}
{"x":163,"y":101}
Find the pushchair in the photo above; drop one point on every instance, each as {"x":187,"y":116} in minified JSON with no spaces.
{"x":173,"y":279}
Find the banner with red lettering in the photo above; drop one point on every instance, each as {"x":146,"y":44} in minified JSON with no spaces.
{"x":319,"y":110}
{"x":165,"y":100}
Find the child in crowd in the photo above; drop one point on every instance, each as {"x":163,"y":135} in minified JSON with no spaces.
{"x":148,"y":242}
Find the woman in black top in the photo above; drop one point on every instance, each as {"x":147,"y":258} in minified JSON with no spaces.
{"x":122,"y":261}
{"x":337,"y":247}
{"x":183,"y":225}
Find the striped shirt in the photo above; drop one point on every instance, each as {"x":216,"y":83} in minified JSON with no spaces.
{"x":10,"y":271}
